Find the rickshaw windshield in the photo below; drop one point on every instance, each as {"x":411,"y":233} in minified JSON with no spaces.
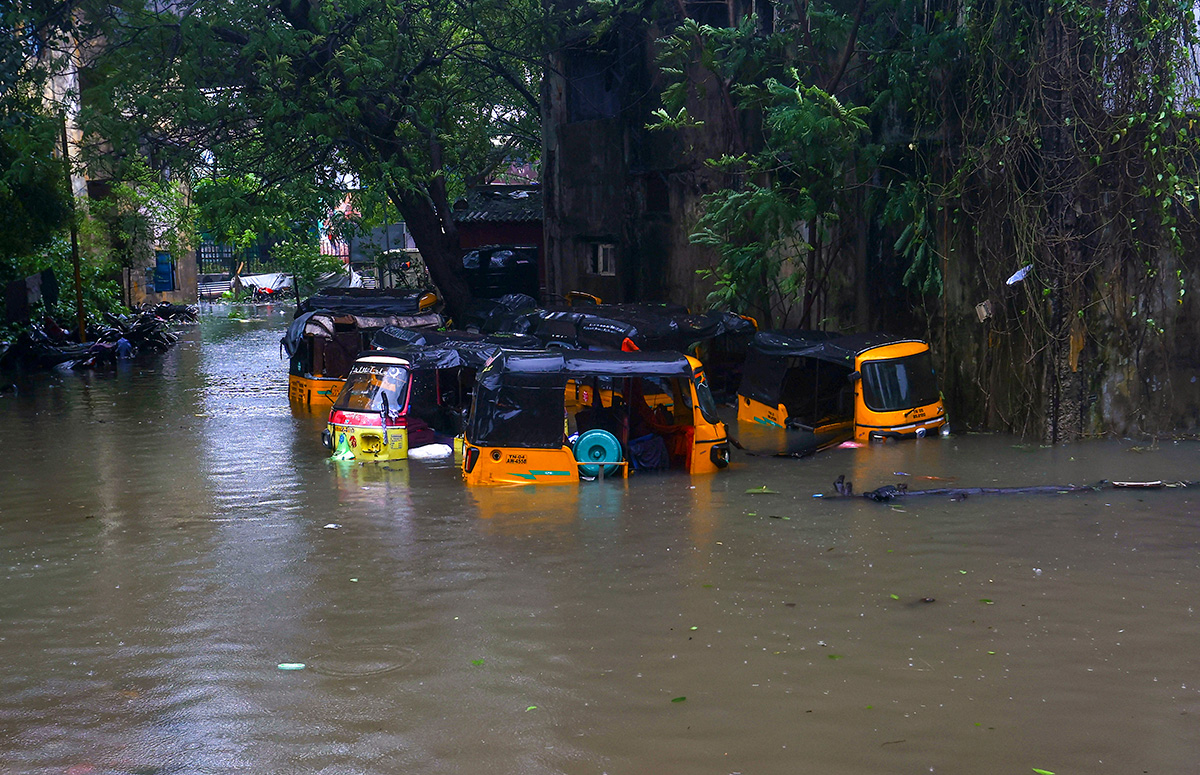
{"x":704,"y":396}
{"x":899,"y":383}
{"x":371,"y":386}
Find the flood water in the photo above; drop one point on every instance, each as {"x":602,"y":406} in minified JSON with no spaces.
{"x":172,"y":533}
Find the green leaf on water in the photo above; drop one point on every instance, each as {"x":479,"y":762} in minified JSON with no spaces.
{"x":991,"y":652}
{"x":985,"y":601}
{"x":1042,"y":772}
{"x":679,"y":699}
{"x":695,"y":628}
{"x":963,"y":572}
{"x":531,"y":707}
{"x":707,"y":586}
{"x":477,"y":662}
{"x":894,"y":597}
{"x":752,"y":514}
{"x":764,"y":490}
{"x":835,"y":656}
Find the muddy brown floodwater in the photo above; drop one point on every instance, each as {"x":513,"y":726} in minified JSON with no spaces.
{"x":164,"y":547}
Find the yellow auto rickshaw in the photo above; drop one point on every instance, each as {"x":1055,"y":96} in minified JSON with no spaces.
{"x":523,"y":429}
{"x":332,"y":327}
{"x":802,"y":391}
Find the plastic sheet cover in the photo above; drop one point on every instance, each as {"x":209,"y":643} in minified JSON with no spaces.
{"x":607,"y":326}
{"x":519,"y":402}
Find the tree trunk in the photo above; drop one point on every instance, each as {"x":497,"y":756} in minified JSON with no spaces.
{"x":438,"y":247}
{"x":1065,"y":272}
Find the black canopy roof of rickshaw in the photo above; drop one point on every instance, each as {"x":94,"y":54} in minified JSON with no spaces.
{"x":656,"y":327}
{"x":602,"y":363}
{"x":397,"y":336}
{"x":436,"y":357}
{"x":363,"y":302}
{"x":841,"y":349}
{"x":623,"y":364}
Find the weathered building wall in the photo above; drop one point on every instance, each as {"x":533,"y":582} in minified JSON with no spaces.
{"x":609,"y":181}
{"x":1138,"y":350}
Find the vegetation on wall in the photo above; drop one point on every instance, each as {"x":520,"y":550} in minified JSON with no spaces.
{"x":1052,"y":135}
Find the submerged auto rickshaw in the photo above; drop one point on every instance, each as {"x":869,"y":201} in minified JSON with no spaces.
{"x":803,"y":391}
{"x":526,"y":426}
{"x":404,"y":398}
{"x":411,"y":390}
{"x":332,"y":327}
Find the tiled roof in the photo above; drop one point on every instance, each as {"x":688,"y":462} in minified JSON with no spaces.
{"x":500,"y":204}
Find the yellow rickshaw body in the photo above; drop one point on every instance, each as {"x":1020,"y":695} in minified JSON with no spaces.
{"x":312,"y":391}
{"x":367,"y":443}
{"x":708,"y":449}
{"x":913,"y":422}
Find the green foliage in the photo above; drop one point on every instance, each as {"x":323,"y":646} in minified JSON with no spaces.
{"x":34,"y":201}
{"x":417,"y":98}
{"x":305,"y":263}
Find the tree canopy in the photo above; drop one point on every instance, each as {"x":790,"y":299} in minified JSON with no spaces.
{"x":416,"y":97}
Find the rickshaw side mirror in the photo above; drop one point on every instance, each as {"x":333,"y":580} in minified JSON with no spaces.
{"x":854,"y":376}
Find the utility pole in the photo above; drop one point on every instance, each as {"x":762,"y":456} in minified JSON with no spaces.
{"x":81,"y":320}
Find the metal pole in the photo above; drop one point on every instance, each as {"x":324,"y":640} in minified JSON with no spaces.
{"x":81,"y":320}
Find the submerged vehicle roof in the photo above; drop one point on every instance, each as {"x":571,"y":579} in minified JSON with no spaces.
{"x":822,"y":345}
{"x":399,"y":336}
{"x":364,"y":302}
{"x":657,"y":327}
{"x":605,"y":363}
{"x":370,"y":308}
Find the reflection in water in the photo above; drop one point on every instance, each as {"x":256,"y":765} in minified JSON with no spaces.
{"x":163,"y":548}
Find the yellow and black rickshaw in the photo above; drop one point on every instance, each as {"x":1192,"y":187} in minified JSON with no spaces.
{"x":332,"y":327}
{"x":408,"y":397}
{"x":802,"y":391}
{"x":521,"y":429}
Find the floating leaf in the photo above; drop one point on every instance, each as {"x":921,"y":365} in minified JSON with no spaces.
{"x":894,"y":597}
{"x":707,"y":586}
{"x":834,"y":656}
{"x":695,"y":628}
{"x":679,"y":699}
{"x":531,"y":707}
{"x":764,"y":490}
{"x":752,"y":514}
{"x":985,"y":601}
{"x":477,"y":662}
{"x":1042,"y":772}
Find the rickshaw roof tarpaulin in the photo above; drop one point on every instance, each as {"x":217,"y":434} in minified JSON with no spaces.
{"x":397,"y":336}
{"x":447,"y":354}
{"x":823,"y":345}
{"x":649,"y":326}
{"x":621,"y":364}
{"x":519,"y":401}
{"x":766,"y":360}
{"x":364,"y":302}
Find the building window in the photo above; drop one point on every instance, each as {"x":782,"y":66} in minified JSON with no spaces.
{"x":603,"y":260}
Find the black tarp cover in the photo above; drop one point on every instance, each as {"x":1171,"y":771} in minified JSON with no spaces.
{"x":769,"y":351}
{"x":519,"y":402}
{"x":607,"y":326}
{"x":397,"y":336}
{"x":364,"y":302}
